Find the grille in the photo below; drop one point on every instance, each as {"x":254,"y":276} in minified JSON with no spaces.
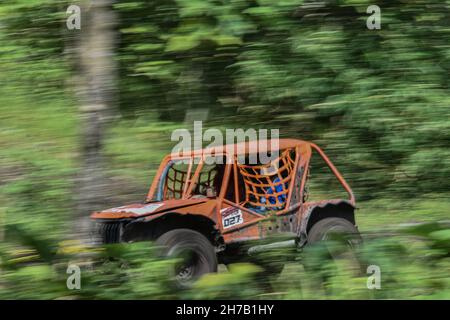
{"x":110,"y":232}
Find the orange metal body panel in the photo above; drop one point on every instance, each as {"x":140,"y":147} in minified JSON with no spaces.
{"x":216,"y":208}
{"x":182,"y":206}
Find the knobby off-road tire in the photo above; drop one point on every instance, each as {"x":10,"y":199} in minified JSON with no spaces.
{"x":340,"y":230}
{"x":194,"y":251}
{"x":322,"y":229}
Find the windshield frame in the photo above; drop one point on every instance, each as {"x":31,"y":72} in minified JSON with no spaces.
{"x":155,"y":193}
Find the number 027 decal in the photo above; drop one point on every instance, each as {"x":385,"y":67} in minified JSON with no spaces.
{"x":231,"y":217}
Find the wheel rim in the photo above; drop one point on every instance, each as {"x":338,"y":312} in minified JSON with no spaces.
{"x":185,"y":270}
{"x":189,"y":267}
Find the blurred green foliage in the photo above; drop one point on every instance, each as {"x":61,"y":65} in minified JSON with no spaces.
{"x":414,"y":265}
{"x":376,"y":100}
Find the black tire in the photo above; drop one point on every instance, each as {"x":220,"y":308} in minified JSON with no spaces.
{"x":343,"y":233}
{"x":322,"y":229}
{"x":195,"y":252}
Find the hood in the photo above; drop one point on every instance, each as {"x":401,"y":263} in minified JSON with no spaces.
{"x":145,"y":209}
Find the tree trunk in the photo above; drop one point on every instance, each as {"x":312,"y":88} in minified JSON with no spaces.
{"x":96,"y":89}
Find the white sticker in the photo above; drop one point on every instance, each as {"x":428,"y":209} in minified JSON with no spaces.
{"x":139,"y":211}
{"x":146,"y":209}
{"x":231,"y":217}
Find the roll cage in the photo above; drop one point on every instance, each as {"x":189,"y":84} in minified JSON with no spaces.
{"x":242,"y":185}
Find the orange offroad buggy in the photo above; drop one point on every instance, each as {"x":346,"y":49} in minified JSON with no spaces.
{"x":210,"y":213}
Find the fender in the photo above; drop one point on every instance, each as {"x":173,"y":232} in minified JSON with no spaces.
{"x":315,"y":211}
{"x":136,"y":221}
{"x":151,"y":229}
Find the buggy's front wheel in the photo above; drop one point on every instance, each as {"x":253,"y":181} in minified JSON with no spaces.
{"x":194,"y":253}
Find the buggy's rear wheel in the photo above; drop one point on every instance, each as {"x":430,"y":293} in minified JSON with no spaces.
{"x":337,"y":239}
{"x":329,"y":228}
{"x":194,"y":253}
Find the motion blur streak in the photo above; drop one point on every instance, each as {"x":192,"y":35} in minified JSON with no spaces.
{"x":86,"y":115}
